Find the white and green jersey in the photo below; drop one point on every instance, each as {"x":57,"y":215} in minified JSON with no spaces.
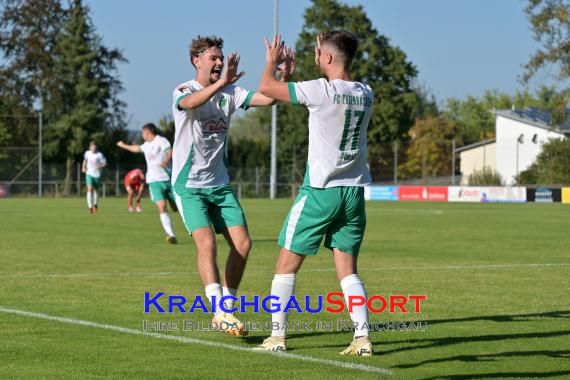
{"x":339,"y":113}
{"x":199,"y":157}
{"x":154,"y":154}
{"x":94,"y":160}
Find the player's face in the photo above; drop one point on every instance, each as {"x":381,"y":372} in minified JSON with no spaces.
{"x":93,"y":148}
{"x":146,"y":135}
{"x":210,"y":64}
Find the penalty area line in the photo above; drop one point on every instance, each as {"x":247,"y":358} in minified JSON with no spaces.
{"x":194,"y":341}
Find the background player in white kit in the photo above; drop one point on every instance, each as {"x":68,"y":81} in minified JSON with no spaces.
{"x":330,"y":204}
{"x":93,"y":162}
{"x":202,"y":109}
{"x":157,"y":153}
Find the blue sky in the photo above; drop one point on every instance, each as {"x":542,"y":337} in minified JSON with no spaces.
{"x":460,"y":48}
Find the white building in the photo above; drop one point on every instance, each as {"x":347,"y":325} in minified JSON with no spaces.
{"x":476,"y":156}
{"x":520,"y":135}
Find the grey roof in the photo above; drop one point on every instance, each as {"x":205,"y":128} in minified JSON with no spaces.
{"x":535,"y":117}
{"x":475,"y":145}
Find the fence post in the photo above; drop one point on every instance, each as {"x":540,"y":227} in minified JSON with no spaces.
{"x":104,"y":190}
{"x":396,"y":146}
{"x":239,"y":190}
{"x":257,"y":181}
{"x":78,"y":179}
{"x":56,"y":190}
{"x":453,"y":162}
{"x":117,"y":181}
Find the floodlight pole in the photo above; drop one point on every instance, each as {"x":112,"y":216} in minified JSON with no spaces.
{"x":273,"y":175}
{"x":40,"y":154}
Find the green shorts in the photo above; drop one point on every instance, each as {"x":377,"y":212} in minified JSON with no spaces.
{"x":91,"y":181}
{"x":336,"y":213}
{"x":213,"y":206}
{"x":160,"y":191}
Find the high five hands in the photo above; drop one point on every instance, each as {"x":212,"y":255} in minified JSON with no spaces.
{"x":230,"y":75}
{"x":281,"y":56}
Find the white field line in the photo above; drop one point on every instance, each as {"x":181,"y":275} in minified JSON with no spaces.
{"x":194,"y":341}
{"x":173,"y":274}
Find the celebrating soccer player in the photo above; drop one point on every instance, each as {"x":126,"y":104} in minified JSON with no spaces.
{"x":157,"y":153}
{"x":330,"y":203}
{"x":202,"y":109}
{"x":93,"y":162}
{"x":134,"y":183}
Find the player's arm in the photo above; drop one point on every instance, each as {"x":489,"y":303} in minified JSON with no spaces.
{"x":130,"y":148}
{"x":275,"y":54}
{"x":230,"y":76}
{"x":141,"y":189}
{"x":166,"y":161}
{"x":84,"y":166}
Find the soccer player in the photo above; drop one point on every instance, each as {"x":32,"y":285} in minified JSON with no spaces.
{"x":330,"y":203}
{"x":134,"y":183}
{"x":157,"y":153}
{"x":93,"y":162}
{"x":202,"y":109}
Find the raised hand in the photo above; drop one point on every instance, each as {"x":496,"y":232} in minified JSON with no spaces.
{"x":231,"y":75}
{"x":274,"y":52}
{"x":287,"y":67}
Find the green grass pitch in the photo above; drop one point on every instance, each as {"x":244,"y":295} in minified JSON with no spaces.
{"x":496,"y":276}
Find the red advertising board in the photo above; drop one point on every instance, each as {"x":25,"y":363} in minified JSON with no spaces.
{"x":423,"y":193}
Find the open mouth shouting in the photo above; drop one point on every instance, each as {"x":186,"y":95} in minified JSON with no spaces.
{"x":215,"y":74}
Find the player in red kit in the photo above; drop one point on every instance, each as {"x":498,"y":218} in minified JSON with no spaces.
{"x":134,"y":183}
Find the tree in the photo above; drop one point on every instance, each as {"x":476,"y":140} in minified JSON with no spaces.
{"x":86,"y":90}
{"x":552,"y":165}
{"x":430,"y":150}
{"x":550,"y":23}
{"x":28,"y":33}
{"x":383,"y":66}
{"x":475,"y":120}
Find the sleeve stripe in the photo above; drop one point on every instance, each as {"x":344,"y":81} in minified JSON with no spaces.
{"x":180,"y":98}
{"x":245,"y":104}
{"x":292,"y":93}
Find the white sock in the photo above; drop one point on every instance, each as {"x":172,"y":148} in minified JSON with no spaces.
{"x":352,"y":285}
{"x":166,"y":224}
{"x":229,"y":303}
{"x":89,"y":199}
{"x":94,"y":198}
{"x":214,"y":289}
{"x":283,"y":286}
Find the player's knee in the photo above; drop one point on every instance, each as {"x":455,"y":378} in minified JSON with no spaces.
{"x":244,"y":246}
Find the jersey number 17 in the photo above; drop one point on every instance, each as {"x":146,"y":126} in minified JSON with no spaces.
{"x":348,"y":126}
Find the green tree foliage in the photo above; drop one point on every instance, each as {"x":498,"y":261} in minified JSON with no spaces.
{"x":383,"y":66}
{"x":550,"y":23}
{"x":54,"y":58}
{"x":475,"y":120}
{"x":552,"y":166}
{"x":430,"y":151}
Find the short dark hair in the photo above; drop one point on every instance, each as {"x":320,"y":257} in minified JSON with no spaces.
{"x":202,"y":43}
{"x":151,"y":128}
{"x":344,"y":42}
{"x":92,"y":142}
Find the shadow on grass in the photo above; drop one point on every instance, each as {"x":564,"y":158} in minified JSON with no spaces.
{"x":563,"y":314}
{"x":490,"y":357}
{"x":502,"y":375}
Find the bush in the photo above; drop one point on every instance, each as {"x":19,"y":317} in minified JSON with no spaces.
{"x":485,"y":176}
